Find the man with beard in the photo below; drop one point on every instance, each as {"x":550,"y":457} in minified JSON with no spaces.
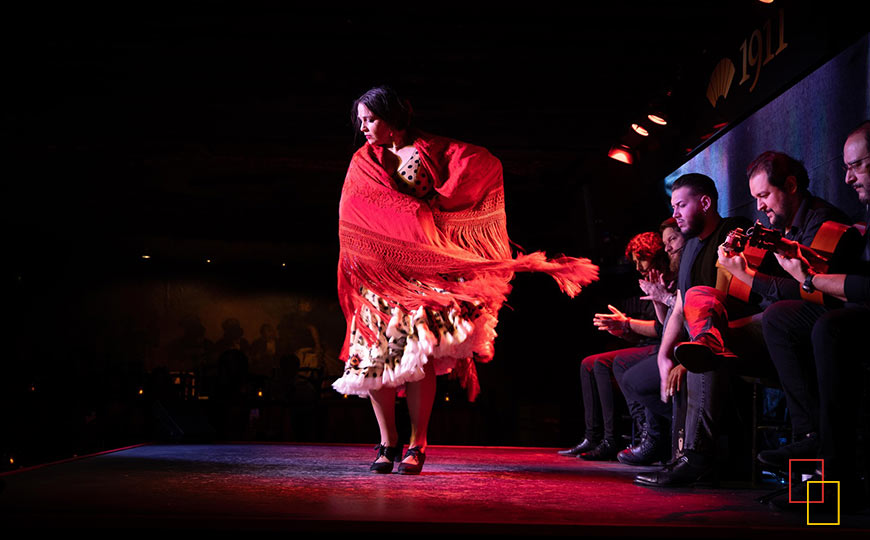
{"x":694,"y":200}
{"x":779,"y":184}
{"x":829,"y":340}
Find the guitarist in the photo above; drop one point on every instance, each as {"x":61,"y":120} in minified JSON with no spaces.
{"x":779,"y":183}
{"x":828,"y":346}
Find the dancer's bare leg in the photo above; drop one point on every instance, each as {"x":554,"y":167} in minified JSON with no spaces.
{"x":384,"y":404}
{"x":421,"y":397}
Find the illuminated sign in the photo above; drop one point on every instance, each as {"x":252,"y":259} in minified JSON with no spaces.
{"x":755,"y":51}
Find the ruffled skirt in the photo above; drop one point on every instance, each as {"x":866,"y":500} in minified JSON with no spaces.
{"x":440,"y":339}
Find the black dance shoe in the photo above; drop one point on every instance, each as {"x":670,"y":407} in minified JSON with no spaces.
{"x":413,"y":468}
{"x":584,"y":446}
{"x":605,"y":451}
{"x":390,"y":452}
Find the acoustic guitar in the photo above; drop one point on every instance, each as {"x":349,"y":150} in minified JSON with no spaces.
{"x":756,"y":241}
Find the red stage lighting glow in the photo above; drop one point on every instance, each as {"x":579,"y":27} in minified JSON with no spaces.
{"x":657,"y":119}
{"x":640,"y":130}
{"x":621,"y":153}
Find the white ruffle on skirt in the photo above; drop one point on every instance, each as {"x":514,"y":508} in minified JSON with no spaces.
{"x":410,"y":341}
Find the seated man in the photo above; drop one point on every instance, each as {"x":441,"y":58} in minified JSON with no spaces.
{"x":780,"y":185}
{"x":694,"y":199}
{"x":834,"y":341}
{"x":596,"y":372}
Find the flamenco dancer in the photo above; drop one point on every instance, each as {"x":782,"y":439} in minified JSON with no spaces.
{"x":424,"y":266}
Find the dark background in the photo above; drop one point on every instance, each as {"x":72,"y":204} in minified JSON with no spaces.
{"x":216,"y":143}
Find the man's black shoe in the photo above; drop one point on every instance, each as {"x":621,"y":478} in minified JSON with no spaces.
{"x":806,"y":447}
{"x":699,"y":358}
{"x":584,"y":446}
{"x":685,"y":471}
{"x":605,"y":451}
{"x":646,"y":452}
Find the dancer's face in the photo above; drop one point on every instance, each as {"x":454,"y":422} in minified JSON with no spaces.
{"x":376,"y":131}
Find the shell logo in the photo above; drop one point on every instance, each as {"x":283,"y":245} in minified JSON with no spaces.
{"x":720,"y":81}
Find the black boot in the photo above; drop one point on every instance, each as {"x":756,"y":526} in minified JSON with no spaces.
{"x":646,"y":452}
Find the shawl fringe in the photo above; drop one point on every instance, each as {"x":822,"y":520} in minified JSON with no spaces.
{"x":435,"y":254}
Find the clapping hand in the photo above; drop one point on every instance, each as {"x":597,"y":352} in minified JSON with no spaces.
{"x":654,"y":288}
{"x":614,"y":322}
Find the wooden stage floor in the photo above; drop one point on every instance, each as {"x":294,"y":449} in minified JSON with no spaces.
{"x":289,"y":487}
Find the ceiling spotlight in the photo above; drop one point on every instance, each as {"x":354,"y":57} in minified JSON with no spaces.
{"x":621,"y":152}
{"x":658,"y":118}
{"x":640,"y":130}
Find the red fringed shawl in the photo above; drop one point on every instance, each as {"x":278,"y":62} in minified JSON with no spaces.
{"x":403,"y":248}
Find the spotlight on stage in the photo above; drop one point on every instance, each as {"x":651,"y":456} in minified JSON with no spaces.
{"x":658,"y":118}
{"x":621,"y":152}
